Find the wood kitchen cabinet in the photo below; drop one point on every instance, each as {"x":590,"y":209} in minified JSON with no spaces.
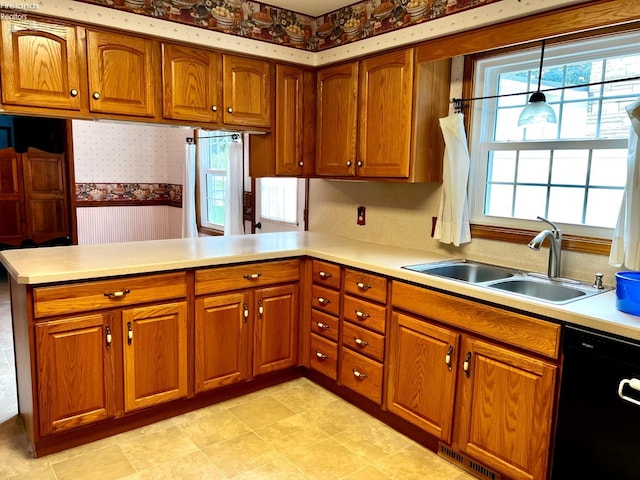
{"x":123,"y":71}
{"x":246,"y":322}
{"x":503,"y":410}
{"x":75,"y":371}
{"x":155,"y":354}
{"x":248,"y":91}
{"x":13,"y":228}
{"x":41,"y":65}
{"x":192,"y":84}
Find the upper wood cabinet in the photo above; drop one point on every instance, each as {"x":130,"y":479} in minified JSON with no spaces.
{"x":248,"y":94}
{"x":394,"y":122}
{"x":40,"y":65}
{"x":122,"y":72}
{"x":192,"y":83}
{"x":337,"y":120}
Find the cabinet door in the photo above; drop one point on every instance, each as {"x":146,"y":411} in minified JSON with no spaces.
{"x":13,"y":227}
{"x":122,"y":70}
{"x":75,"y":363}
{"x":192,"y":81}
{"x":422,"y":374}
{"x":386,"y":90}
{"x":289,"y":128}
{"x":248,"y":91}
{"x":222,"y":340}
{"x":46,"y":197}
{"x":337,"y":120}
{"x":155,"y":354}
{"x":276,"y":329}
{"x":506,"y":407}
{"x":40,"y":65}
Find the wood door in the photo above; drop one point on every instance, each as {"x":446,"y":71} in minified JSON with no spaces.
{"x":75,"y":372}
{"x":337,"y":120}
{"x":13,"y":227}
{"x":192,"y":81}
{"x":422,"y":374}
{"x":122,"y":71}
{"x":289,"y":128}
{"x":386,"y":100}
{"x":506,"y":409}
{"x":222,"y":340}
{"x":46,"y":195}
{"x":275,"y":343}
{"x":155,"y":354}
{"x":40,"y":65}
{"x":248,"y":91}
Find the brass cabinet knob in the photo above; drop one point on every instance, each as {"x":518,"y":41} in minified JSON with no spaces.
{"x":73,"y":92}
{"x":96,"y":95}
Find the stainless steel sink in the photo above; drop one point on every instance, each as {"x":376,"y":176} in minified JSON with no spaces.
{"x":532,"y":285}
{"x":472,"y":272}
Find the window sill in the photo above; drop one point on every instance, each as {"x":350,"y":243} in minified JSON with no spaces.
{"x":599,"y":246}
{"x":210,"y":231}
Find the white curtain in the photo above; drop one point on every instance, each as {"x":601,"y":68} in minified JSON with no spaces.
{"x":453,"y":216}
{"x":233,"y":224}
{"x":189,"y":227}
{"x":625,"y":246}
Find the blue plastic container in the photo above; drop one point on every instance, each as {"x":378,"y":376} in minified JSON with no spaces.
{"x":628,"y":292}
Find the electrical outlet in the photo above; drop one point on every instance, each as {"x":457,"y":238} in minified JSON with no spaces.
{"x":361,"y":213}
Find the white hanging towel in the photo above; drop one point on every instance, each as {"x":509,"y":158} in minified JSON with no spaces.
{"x":189,"y":227}
{"x":233,"y":222}
{"x":625,"y":245}
{"x":453,"y":216}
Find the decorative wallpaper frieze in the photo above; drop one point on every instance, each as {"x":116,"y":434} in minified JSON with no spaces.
{"x":113,"y":194}
{"x":260,"y":21}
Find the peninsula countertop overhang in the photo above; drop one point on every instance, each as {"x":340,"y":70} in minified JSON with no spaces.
{"x":85,"y":262}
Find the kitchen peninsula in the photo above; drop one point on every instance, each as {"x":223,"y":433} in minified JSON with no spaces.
{"x":137,"y":323}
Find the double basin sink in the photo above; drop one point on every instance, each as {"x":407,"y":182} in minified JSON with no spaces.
{"x":532,"y":285}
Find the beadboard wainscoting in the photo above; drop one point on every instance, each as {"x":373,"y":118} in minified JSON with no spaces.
{"x":128,"y":224}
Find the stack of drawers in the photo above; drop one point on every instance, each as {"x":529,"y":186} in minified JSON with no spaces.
{"x":325,"y":313}
{"x":363,"y":329}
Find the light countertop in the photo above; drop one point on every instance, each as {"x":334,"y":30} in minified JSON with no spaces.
{"x":61,"y":264}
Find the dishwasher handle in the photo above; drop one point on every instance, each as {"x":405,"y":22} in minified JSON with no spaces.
{"x":633,"y":383}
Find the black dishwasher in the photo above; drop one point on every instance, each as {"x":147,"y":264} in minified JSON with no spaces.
{"x":598,"y":430}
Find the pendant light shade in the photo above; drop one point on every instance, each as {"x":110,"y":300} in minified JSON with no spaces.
{"x":537,"y":111}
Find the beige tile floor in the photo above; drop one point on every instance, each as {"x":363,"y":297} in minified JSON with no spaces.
{"x":293,"y":431}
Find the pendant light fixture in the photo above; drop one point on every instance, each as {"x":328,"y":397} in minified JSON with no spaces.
{"x":538,"y":110}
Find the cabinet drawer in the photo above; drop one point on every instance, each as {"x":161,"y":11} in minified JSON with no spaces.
{"x":324,"y":324}
{"x":364,"y":314}
{"x":326,"y":300}
{"x":362,"y":375}
{"x":365,"y":285}
{"x":326,"y":274}
{"x":362,"y":340}
{"x":323,"y":356}
{"x":224,"y":279}
{"x":89,"y":296}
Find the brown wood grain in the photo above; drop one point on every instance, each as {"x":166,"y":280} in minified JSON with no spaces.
{"x":363,"y":313}
{"x":369,"y":383}
{"x":323,"y":356}
{"x":363,"y":341}
{"x":248,"y":91}
{"x":366,"y":285}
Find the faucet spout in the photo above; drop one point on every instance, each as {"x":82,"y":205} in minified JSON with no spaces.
{"x":555,"y":246}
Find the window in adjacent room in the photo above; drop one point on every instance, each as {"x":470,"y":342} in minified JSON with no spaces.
{"x":573,"y":172}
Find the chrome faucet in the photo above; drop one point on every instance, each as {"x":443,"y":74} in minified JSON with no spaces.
{"x":555,"y":246}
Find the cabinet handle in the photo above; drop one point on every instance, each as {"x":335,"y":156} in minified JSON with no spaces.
{"x":214,"y":108}
{"x":253,"y":276}
{"x":323,"y":301}
{"x":362,"y":315}
{"x":363,"y":286}
{"x":467,"y":364}
{"x":359,"y":163}
{"x":322,"y":326}
{"x":324,"y":275}
{"x":260,"y":309}
{"x":360,"y":342}
{"x":301,"y":164}
{"x":73,"y":92}
{"x":447,"y":357}
{"x":129,"y":333}
{"x":320,"y":355}
{"x":245,"y":313}
{"x":230,"y":110}
{"x":359,"y":375}
{"x":349,"y":163}
{"x":96,"y":95}
{"x":109,"y":337}
{"x":117,"y":293}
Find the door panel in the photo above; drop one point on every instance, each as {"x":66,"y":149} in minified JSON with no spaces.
{"x":13,"y":228}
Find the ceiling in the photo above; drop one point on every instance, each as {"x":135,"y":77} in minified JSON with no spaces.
{"x":313,"y":8}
